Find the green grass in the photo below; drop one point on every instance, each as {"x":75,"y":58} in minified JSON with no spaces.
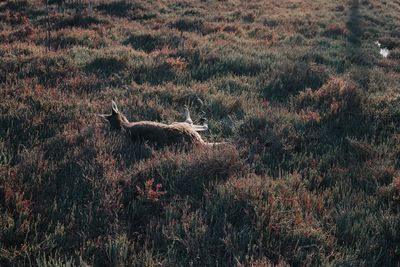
{"x":311,"y":111}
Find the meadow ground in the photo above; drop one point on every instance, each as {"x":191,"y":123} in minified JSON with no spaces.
{"x":299,"y":89}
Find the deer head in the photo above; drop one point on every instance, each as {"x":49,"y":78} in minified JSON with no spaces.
{"x":116,"y":119}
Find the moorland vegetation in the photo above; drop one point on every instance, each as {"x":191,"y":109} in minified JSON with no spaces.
{"x":298,"y":88}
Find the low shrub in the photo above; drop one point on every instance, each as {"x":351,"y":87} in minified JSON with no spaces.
{"x":336,"y":98}
{"x":69,"y":38}
{"x":289,"y":79}
{"x":335,"y":30}
{"x":82,"y":21}
{"x":193,"y":25}
{"x":151,"y":41}
{"x":125,"y":9}
{"x":188,"y":174}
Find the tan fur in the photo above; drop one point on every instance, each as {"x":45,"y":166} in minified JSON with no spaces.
{"x":162,"y":134}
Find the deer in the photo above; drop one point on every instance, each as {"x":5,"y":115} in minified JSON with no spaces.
{"x":157,"y":133}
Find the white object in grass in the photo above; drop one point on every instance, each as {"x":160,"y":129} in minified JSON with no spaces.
{"x":384,"y":52}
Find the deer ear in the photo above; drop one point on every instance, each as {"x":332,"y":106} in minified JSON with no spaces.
{"x":114,"y":106}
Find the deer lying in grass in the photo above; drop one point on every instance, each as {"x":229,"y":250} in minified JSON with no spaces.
{"x":156,"y":133}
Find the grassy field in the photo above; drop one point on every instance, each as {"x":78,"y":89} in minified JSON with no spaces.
{"x":311,"y":111}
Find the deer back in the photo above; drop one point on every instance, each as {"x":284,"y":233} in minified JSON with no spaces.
{"x":162,"y":134}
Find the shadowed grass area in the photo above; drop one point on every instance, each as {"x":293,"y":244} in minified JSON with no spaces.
{"x":150,"y":42}
{"x":309,"y":110}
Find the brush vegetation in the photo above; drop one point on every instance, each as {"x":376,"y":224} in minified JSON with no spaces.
{"x":298,"y":88}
